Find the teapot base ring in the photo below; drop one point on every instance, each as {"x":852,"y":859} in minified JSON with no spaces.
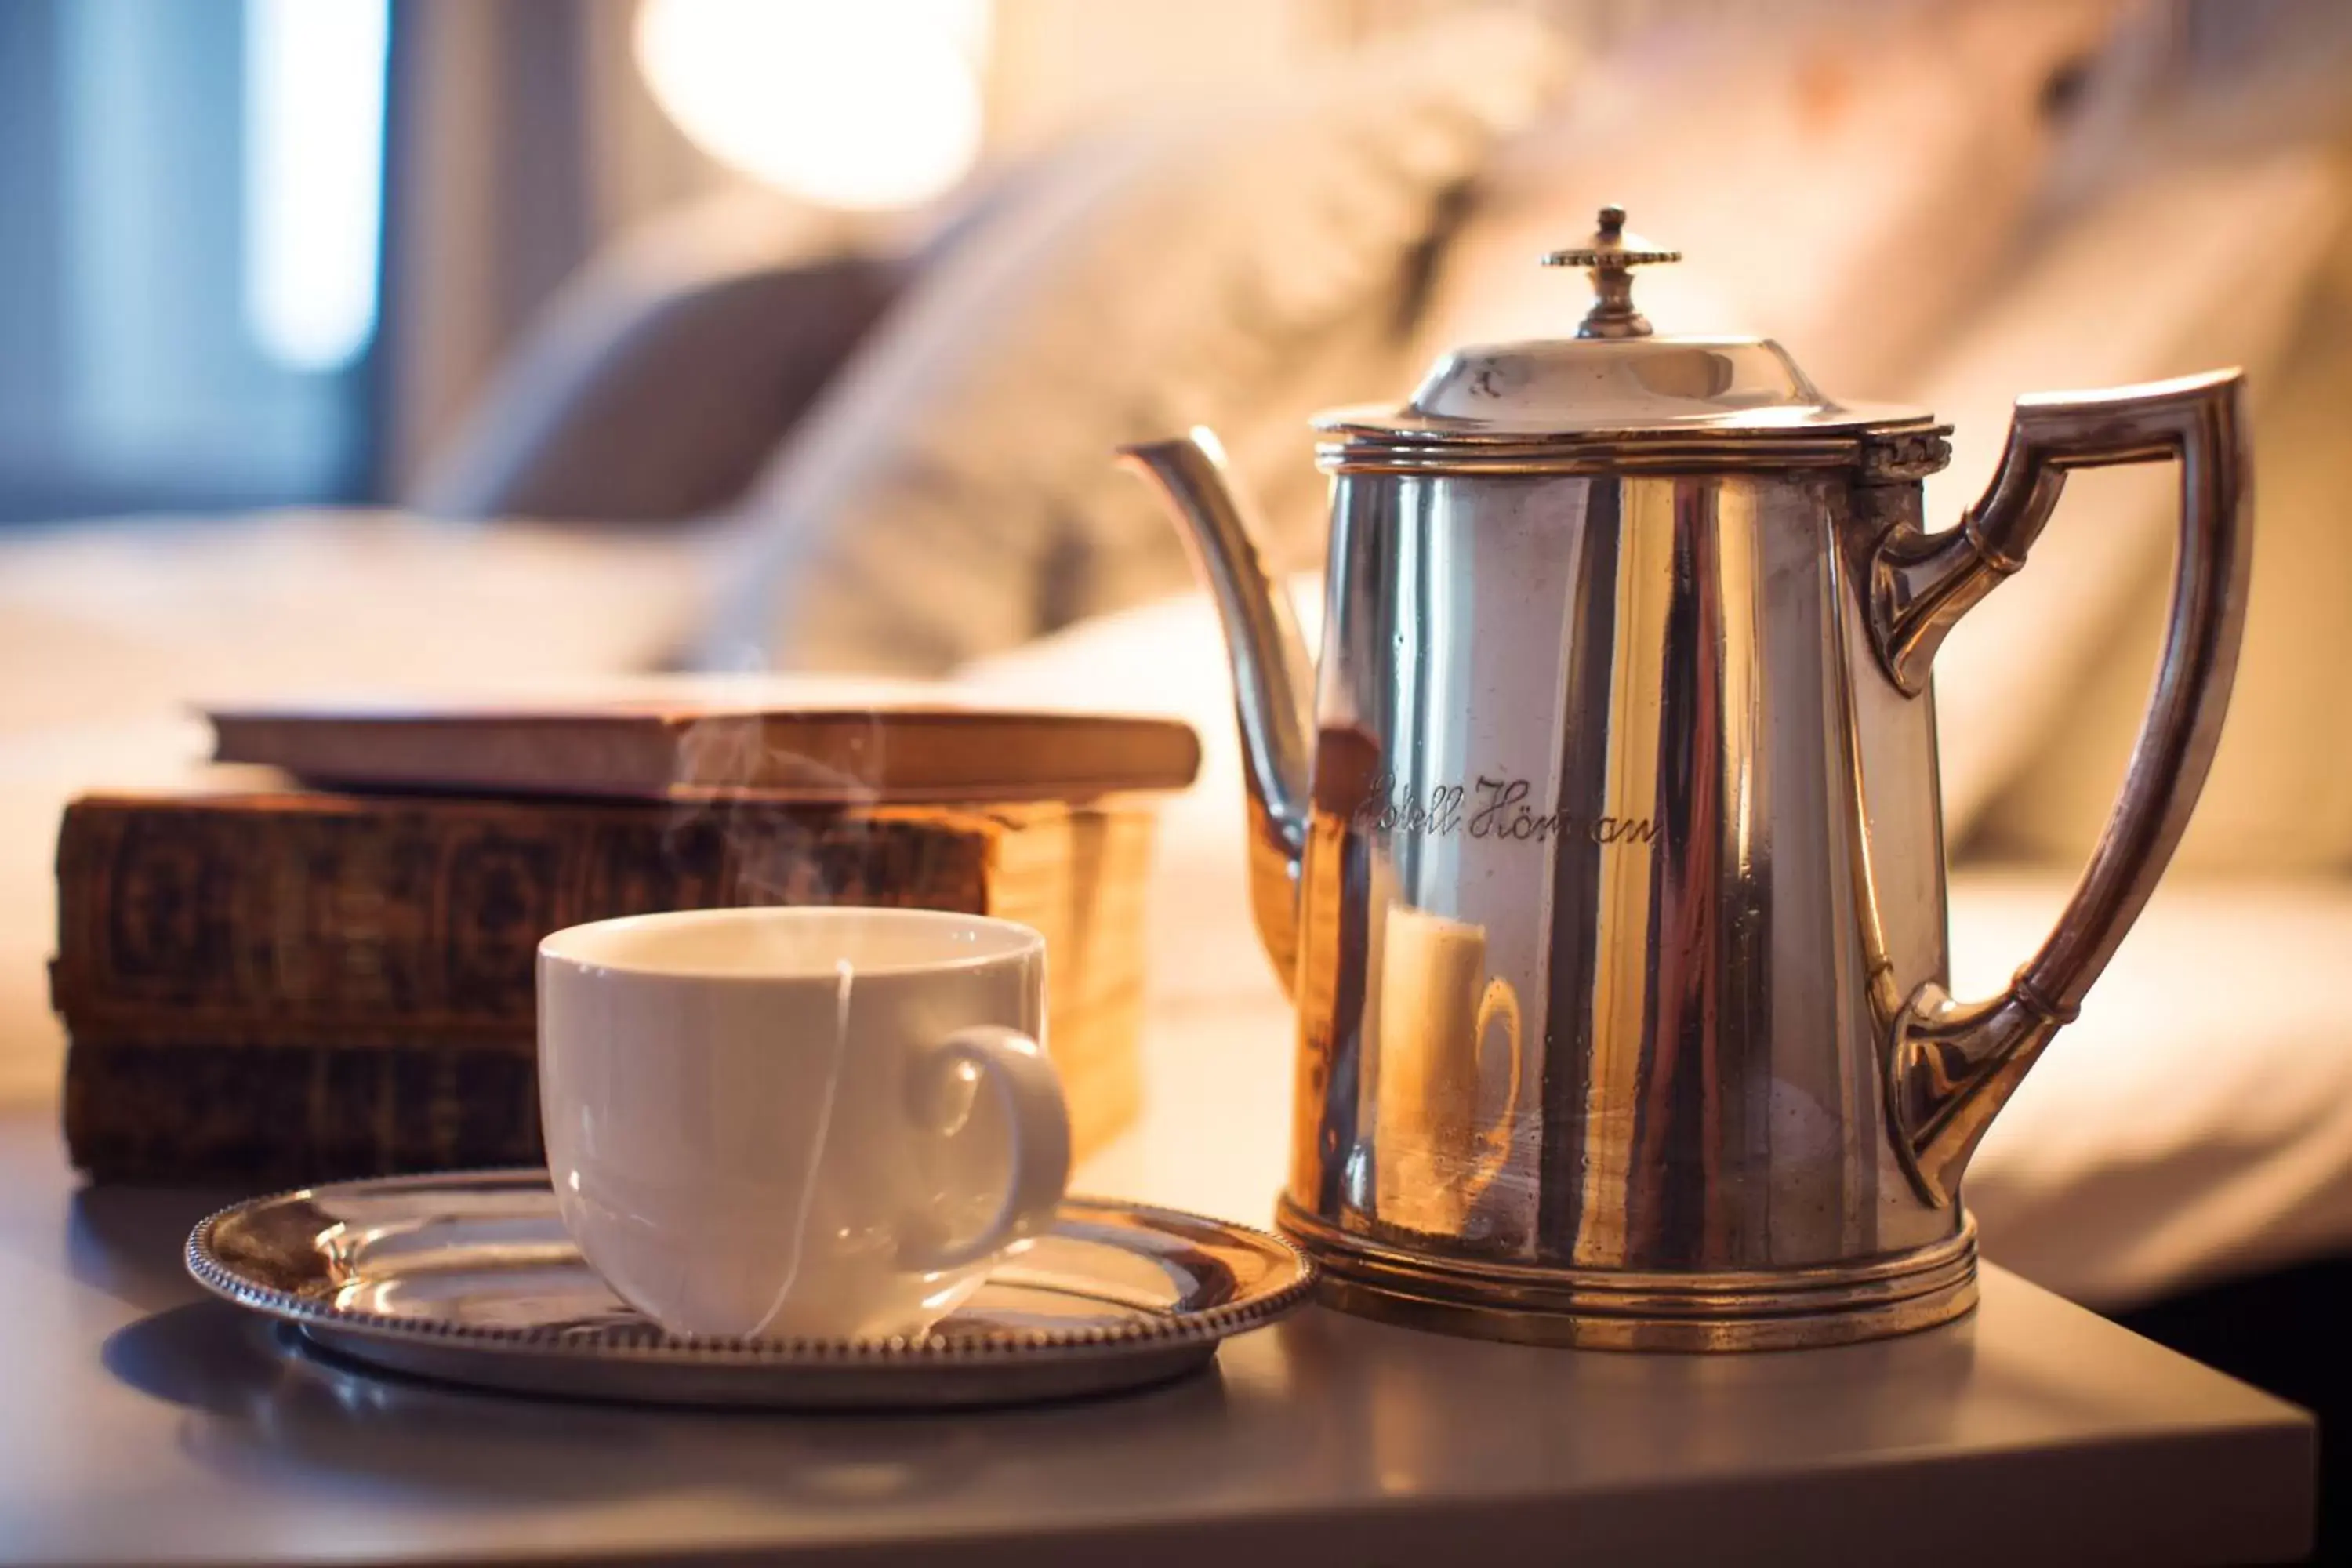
{"x":1600,"y":1308}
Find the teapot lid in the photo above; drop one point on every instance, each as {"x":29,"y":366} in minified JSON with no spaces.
{"x":1616,"y":395}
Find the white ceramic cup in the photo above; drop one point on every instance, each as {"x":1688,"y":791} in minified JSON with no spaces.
{"x":799,"y":1122}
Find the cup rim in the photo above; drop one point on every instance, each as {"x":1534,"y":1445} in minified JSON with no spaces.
{"x":1018,"y":943}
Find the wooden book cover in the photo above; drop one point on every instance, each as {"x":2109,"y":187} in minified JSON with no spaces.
{"x":693,"y":739}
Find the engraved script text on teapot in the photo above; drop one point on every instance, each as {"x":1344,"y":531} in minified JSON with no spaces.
{"x":1488,"y":808}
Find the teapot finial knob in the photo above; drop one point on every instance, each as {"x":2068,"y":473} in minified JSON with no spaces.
{"x":1610,"y":257}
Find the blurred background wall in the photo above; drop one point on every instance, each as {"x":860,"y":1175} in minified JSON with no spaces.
{"x":271,"y":250}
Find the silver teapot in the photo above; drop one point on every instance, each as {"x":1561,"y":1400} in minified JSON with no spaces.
{"x":1603,"y":856}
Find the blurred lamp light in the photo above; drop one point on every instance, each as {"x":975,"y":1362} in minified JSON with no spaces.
{"x":849,"y":103}
{"x":314,"y":85}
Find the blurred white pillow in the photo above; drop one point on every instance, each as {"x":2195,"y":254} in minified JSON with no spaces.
{"x":2197,"y":1122}
{"x":2280,"y":795}
{"x":952,"y":495}
{"x":115,"y":620}
{"x":2146,"y":284}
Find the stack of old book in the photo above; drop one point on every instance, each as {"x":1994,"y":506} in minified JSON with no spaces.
{"x":335,"y":978}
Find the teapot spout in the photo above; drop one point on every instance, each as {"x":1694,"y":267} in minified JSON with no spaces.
{"x":1273,"y":676}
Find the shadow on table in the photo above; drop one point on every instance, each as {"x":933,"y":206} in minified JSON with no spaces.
{"x":128,"y":1241}
{"x":269,"y":1403}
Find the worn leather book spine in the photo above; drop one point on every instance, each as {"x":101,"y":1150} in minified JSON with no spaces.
{"x":288,"y":988}
{"x":268,"y":1113}
{"x":305,"y":915}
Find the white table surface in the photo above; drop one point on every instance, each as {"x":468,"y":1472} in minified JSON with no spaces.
{"x":142,"y":1422}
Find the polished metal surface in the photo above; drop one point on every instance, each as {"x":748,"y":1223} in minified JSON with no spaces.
{"x":1792,"y":1308}
{"x":470,"y":1278}
{"x":1488,"y":390}
{"x":1955,"y":1065}
{"x":1609,"y":258}
{"x":1273,"y":675}
{"x":1620,"y":951}
{"x":1614,"y":398}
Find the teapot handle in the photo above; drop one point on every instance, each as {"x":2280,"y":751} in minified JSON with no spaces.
{"x":1953,"y":1065}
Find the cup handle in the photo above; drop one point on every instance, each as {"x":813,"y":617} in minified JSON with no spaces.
{"x":1012,"y":1068}
{"x":1499,"y":1003}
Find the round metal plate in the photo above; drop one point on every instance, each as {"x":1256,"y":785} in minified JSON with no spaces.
{"x":470,"y":1277}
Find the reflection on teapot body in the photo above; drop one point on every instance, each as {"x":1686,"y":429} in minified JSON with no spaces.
{"x":1442,"y":1135}
{"x":1624,"y":715}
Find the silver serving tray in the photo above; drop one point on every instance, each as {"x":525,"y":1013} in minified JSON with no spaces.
{"x":470,"y":1278}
